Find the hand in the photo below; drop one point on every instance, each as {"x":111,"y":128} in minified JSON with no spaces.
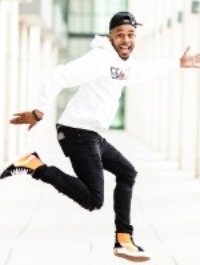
{"x":26,"y":117}
{"x":190,"y":61}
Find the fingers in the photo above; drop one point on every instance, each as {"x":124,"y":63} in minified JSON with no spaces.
{"x":16,"y":121}
{"x":187,"y":50}
{"x":19,"y":118}
{"x":30,"y":126}
{"x":23,"y":118}
{"x":196,"y":61}
{"x":197,"y":58}
{"x":17,"y":114}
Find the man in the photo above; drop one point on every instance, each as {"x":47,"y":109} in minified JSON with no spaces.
{"x":101,"y":74}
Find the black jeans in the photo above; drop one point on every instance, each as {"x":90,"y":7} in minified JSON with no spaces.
{"x":90,"y":154}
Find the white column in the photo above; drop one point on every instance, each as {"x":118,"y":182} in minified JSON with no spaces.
{"x":156,"y":97}
{"x":190,"y":92}
{"x":4,"y":8}
{"x":176,"y":86}
{"x":33,"y":75}
{"x":11,"y":77}
{"x":195,"y":44}
{"x":34,"y":66}
{"x":23,"y":81}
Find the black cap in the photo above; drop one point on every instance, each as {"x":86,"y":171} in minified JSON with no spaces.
{"x":122,"y":18}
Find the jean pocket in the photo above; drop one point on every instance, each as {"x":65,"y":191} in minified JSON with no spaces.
{"x":63,"y":142}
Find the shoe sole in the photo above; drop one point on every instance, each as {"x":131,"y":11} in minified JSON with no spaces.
{"x":136,"y":258}
{"x":10,"y":163}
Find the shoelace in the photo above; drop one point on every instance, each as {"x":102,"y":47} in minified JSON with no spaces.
{"x":19,"y":171}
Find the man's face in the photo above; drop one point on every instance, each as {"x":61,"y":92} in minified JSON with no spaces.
{"x":123,"y":40}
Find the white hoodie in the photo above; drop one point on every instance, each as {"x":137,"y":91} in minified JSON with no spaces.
{"x":100,"y":74}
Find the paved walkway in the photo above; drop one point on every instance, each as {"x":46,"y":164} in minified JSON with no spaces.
{"x":38,"y":226}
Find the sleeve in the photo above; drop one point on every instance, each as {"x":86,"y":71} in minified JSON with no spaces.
{"x":75,"y":73}
{"x":141,"y":73}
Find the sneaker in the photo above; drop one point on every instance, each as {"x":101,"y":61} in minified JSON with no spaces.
{"x":24,"y":165}
{"x":127,"y":249}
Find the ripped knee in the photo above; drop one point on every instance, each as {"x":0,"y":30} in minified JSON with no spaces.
{"x":128,"y":178}
{"x":96,"y":205}
{"x":132,"y":176}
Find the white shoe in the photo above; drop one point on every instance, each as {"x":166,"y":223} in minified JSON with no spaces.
{"x":126,"y":248}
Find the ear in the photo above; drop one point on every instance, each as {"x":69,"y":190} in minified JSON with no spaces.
{"x":110,"y":36}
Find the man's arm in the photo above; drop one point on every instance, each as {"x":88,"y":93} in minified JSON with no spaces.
{"x":79,"y":71}
{"x":146,"y":72}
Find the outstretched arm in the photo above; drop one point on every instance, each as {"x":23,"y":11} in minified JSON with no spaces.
{"x":190,"y":60}
{"x":79,"y":71}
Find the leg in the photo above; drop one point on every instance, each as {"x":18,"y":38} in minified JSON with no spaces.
{"x":88,"y":167}
{"x":71,"y":186}
{"x":82,"y":147}
{"x":116,"y":163}
{"x":125,"y":173}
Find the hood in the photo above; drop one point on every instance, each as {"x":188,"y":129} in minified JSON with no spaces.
{"x":102,"y":42}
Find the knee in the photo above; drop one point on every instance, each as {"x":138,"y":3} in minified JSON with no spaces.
{"x":96,"y":204}
{"x":131,"y":175}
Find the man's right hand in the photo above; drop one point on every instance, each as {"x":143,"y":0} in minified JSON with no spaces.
{"x":26,"y":117}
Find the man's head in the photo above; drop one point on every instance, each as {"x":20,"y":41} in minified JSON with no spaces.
{"x":123,"y":33}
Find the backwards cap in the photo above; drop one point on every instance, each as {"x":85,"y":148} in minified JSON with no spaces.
{"x":122,"y":18}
